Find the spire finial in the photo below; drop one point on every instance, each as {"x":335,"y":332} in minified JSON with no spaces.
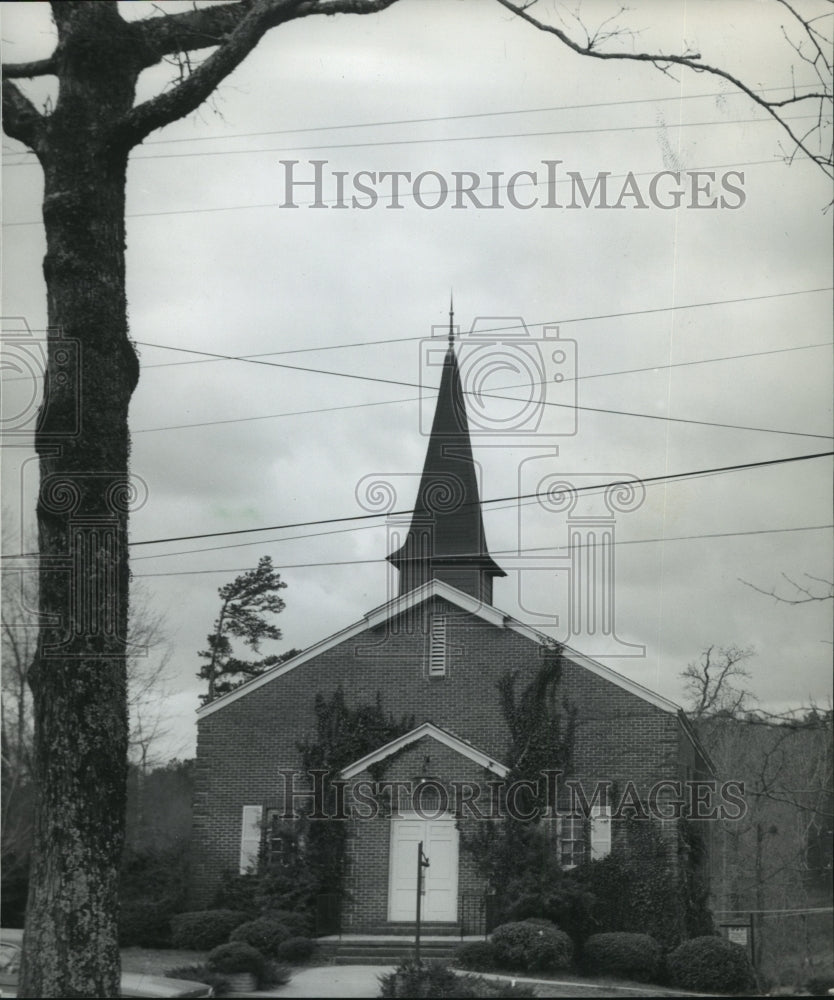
{"x":451,"y":318}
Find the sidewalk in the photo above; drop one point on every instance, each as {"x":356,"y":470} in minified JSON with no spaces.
{"x":347,"y":981}
{"x":354,"y":981}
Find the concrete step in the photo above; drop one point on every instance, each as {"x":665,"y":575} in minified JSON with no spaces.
{"x":427,"y":929}
{"x":388,"y":950}
{"x":385,"y":958}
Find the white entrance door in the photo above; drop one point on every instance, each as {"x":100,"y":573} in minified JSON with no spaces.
{"x":440,"y":879}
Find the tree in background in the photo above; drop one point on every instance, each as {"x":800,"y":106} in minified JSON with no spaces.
{"x":244,"y":603}
{"x":78,"y":679}
{"x":712,"y":684}
{"x":148,"y":681}
{"x":777,"y":856}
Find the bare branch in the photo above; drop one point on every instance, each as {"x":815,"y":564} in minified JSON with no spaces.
{"x":206,"y":27}
{"x":807,"y":595}
{"x":711,"y":685}
{"x":21,"y":120}
{"x":201,"y":28}
{"x":824,"y":159}
{"x":27,"y":70}
{"x":250,"y":25}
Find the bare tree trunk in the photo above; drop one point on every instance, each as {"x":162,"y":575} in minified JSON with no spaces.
{"x":78,"y":679}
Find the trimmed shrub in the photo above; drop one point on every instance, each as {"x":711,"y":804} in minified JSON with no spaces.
{"x":265,"y":934}
{"x":634,"y":956}
{"x":238,"y":892}
{"x":711,"y":964}
{"x":297,"y":949}
{"x":237,"y":956}
{"x":201,"y":974}
{"x":202,"y":930}
{"x":277,"y":974}
{"x":434,"y":979}
{"x":477,"y":955}
{"x":532,"y":947}
{"x":299,"y":924}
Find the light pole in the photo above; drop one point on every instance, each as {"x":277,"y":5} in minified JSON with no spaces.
{"x":422,"y":862}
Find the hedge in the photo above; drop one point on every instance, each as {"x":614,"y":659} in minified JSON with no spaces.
{"x":711,"y":964}
{"x":532,"y":947}
{"x":297,"y":949}
{"x":201,"y":930}
{"x":619,"y":953}
{"x":265,"y":934}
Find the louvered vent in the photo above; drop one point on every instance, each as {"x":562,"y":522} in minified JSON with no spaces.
{"x":437,"y":650}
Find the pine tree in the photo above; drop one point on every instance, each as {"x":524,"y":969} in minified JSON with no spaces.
{"x":245,"y":603}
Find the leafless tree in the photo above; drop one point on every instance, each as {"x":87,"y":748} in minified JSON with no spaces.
{"x":78,"y":678}
{"x":149,"y":684}
{"x":784,"y":760}
{"x":712,"y":684}
{"x":809,"y":37}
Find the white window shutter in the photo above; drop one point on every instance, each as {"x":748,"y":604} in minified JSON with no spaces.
{"x":250,"y":838}
{"x":600,"y":832}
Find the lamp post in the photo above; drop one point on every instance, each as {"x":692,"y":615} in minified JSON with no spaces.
{"x":422,"y":862}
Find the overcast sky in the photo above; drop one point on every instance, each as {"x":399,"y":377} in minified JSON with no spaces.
{"x":215,"y":265}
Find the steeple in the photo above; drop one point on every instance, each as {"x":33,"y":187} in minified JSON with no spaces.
{"x":446,"y":538}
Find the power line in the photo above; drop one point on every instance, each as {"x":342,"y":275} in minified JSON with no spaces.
{"x":578,"y":378}
{"x":437,"y":140}
{"x":439,"y":118}
{"x":669,"y":477}
{"x":461,"y":138}
{"x":492,"y":329}
{"x":497,"y":508}
{"x":505,"y":552}
{"x":410,"y":194}
{"x":446,"y":118}
{"x":489,"y":395}
{"x":413,"y":399}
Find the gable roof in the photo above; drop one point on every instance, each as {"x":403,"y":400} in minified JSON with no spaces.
{"x":404,"y":602}
{"x":436,"y":733}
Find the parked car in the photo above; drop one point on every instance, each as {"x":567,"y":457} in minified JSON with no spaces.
{"x":134,"y":984}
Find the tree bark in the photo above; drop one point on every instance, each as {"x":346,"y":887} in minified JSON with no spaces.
{"x":79,"y":676}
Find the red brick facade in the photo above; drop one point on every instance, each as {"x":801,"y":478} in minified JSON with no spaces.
{"x":623,"y":734}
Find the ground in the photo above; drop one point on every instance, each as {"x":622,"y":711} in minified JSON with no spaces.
{"x":355,"y":981}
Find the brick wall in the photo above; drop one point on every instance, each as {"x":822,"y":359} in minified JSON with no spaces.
{"x":619,"y":736}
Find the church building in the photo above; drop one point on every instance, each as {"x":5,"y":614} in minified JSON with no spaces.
{"x":435,"y":659}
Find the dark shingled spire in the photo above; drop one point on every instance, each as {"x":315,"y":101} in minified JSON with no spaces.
{"x":446,"y":540}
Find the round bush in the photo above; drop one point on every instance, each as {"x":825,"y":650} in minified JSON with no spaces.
{"x":298,"y":924}
{"x":477,"y":955}
{"x":634,"y":956}
{"x":202,"y":930}
{"x":711,"y":964}
{"x":265,"y":934}
{"x":297,"y":949}
{"x":436,"y":980}
{"x":532,"y":947}
{"x":237,"y":956}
